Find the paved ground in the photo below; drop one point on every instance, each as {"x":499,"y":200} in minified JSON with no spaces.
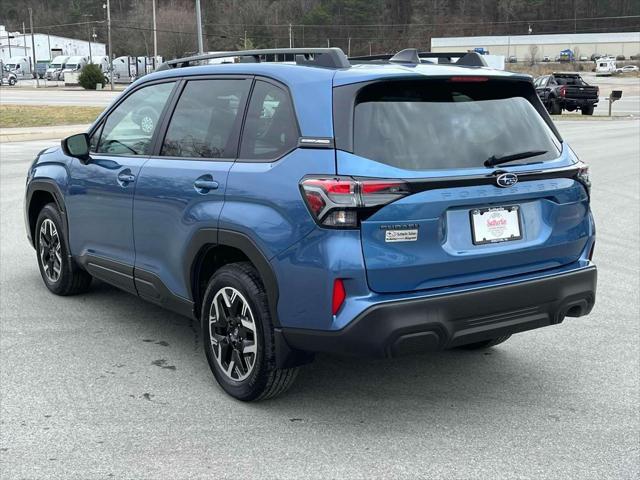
{"x":107,"y":386}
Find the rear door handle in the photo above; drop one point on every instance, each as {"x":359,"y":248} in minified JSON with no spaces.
{"x":205,"y":183}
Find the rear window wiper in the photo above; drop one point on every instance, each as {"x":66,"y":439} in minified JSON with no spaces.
{"x":493,"y":160}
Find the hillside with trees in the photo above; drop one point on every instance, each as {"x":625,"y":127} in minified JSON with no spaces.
{"x":361,"y":26}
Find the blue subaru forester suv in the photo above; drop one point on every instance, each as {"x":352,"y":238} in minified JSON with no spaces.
{"x":296,"y":201}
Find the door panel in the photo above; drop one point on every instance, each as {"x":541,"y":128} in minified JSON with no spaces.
{"x":100,"y":195}
{"x":181,"y":190}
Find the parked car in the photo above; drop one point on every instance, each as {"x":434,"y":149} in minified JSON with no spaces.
{"x":584,"y":58}
{"x":318,"y":206}
{"x":628,"y":69}
{"x":513,"y":59}
{"x":546,"y":58}
{"x":567,"y":91}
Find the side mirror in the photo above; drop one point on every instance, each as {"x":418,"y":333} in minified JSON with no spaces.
{"x":77,"y":146}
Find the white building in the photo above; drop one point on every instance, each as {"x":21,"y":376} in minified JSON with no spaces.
{"x":522,"y":46}
{"x":15,"y":44}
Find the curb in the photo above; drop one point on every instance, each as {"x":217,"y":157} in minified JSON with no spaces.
{"x":8,"y":135}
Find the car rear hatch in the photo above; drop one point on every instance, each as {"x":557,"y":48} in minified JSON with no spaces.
{"x":432,"y":210}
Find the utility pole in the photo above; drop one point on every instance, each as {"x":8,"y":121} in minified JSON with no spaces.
{"x":155,"y":34}
{"x":199,"y":27}
{"x":49,"y":45}
{"x":290,"y":37}
{"x":108,"y":7}
{"x":245,"y":39}
{"x":33,"y":47}
{"x":349,"y":48}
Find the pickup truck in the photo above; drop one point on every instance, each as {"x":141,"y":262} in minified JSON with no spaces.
{"x":566,"y":91}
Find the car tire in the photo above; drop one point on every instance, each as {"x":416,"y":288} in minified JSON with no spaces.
{"x":556,"y":108}
{"x":587,"y":110}
{"x":12,"y":81}
{"x":59,"y":272}
{"x":486,"y":344}
{"x":238,"y":335}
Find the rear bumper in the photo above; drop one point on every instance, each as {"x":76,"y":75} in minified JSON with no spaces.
{"x":434,"y":323}
{"x":575,"y":102}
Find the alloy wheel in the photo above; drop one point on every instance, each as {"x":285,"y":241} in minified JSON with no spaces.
{"x":50,"y":255}
{"x":233,"y":333}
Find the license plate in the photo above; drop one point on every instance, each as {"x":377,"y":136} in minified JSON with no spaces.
{"x":496,"y":224}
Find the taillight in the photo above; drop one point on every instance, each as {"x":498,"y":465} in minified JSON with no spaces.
{"x":563,"y":90}
{"x":469,"y":78}
{"x":583,"y":176}
{"x":339,"y":294}
{"x":342,"y":202}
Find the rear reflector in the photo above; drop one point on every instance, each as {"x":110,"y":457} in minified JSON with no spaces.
{"x":338,"y":295}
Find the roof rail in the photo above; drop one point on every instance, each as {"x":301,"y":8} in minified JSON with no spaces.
{"x":319,"y":57}
{"x":413,"y":56}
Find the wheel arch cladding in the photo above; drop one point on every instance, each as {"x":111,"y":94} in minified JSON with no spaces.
{"x":207,"y":255}
{"x":40,"y":193}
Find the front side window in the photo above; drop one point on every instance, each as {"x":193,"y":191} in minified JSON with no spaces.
{"x":421,"y":125}
{"x":129,"y":128}
{"x":270,"y":130}
{"x":206,"y":118}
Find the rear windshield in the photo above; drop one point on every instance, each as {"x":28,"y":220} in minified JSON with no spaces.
{"x":570,"y":81}
{"x":422,"y":125}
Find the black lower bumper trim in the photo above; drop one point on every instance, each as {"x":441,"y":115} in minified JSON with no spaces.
{"x":435,"y":323}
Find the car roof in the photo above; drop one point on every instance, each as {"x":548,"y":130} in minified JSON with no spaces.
{"x":291,"y":74}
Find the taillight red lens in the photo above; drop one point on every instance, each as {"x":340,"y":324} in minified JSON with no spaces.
{"x":339,"y":294}
{"x":337,"y":201}
{"x":378,"y":186}
{"x":315,"y":202}
{"x":563,"y":90}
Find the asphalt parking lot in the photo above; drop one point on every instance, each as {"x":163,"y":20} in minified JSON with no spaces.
{"x":107,"y":386}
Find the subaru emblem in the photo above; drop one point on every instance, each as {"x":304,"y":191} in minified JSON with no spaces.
{"x":507,"y":180}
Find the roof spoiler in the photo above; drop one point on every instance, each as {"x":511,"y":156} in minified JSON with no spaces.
{"x":413,"y":56}
{"x":319,"y":57}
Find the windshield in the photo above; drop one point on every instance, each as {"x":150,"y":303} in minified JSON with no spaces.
{"x":440,"y":125}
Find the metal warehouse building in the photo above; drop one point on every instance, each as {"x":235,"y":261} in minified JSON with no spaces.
{"x":522,"y":46}
{"x":16,"y":44}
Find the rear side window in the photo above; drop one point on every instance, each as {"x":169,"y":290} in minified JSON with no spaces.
{"x":422,"y":125}
{"x":270,"y":129}
{"x":206,"y":119}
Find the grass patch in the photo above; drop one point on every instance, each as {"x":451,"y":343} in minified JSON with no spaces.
{"x":46,"y":115}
